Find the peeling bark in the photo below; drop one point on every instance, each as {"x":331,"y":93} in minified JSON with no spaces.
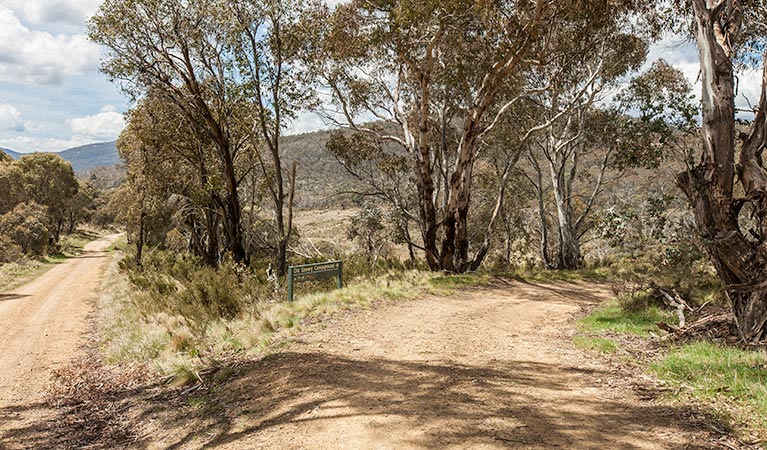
{"x":741,"y":263}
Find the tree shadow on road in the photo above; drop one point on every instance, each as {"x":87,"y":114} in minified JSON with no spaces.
{"x":9,"y":297}
{"x":419,"y":405}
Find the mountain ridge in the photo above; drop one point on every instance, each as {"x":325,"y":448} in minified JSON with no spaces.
{"x":84,"y":157}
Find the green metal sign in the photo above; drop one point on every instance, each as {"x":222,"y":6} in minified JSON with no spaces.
{"x":314,"y":272}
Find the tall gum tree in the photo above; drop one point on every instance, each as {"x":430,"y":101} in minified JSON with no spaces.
{"x":169,"y":169}
{"x":228,"y":67}
{"x":269,"y":38}
{"x":728,"y":187}
{"x":179,"y":50}
{"x":439,"y":77}
{"x":576,"y":126}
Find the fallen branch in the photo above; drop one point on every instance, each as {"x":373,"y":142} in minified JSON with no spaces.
{"x":714,"y":326}
{"x":677,"y":302}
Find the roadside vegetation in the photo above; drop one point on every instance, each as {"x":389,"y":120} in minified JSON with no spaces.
{"x":707,"y":369}
{"x":182,"y":316}
{"x":23,"y":268}
{"x":46,"y":214}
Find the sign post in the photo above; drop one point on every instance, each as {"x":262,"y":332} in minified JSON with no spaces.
{"x":314,"y":272}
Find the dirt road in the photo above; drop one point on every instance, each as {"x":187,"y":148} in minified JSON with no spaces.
{"x":42,"y":326}
{"x":488,"y":369}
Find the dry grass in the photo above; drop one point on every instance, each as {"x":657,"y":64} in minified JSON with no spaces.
{"x":15,"y":274}
{"x":325,"y":229}
{"x":179,"y":345}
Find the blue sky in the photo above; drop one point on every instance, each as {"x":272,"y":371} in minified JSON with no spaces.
{"x":53,"y":97}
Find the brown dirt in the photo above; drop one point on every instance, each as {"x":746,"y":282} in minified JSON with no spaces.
{"x":488,"y":368}
{"x":42,"y":327}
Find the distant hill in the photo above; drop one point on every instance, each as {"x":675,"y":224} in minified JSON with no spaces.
{"x":87,"y":157}
{"x":320,"y":176}
{"x":10,"y":153}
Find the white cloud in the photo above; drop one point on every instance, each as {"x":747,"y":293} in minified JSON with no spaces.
{"x":306,"y":122}
{"x":682,"y":54}
{"x":43,"y":12}
{"x":105,"y":125}
{"x":10,"y":118}
{"x":32,"y":56}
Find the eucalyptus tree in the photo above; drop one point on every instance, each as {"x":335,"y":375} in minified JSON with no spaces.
{"x":169,"y":173}
{"x":228,"y":68}
{"x":575,"y":127}
{"x":441,"y":76}
{"x":180,"y":50}
{"x":727,"y":188}
{"x":10,"y":184}
{"x":269,"y":39}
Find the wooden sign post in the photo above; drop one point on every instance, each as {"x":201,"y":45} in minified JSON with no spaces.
{"x":314,"y":272}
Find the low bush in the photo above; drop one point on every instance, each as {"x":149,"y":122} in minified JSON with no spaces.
{"x":26,"y":226}
{"x":9,"y":250}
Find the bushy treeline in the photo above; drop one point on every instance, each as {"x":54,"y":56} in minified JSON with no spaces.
{"x":489,"y":92}
{"x":40,"y":201}
{"x":478,"y":111}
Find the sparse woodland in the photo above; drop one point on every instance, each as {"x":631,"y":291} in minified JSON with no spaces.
{"x":486,"y":135}
{"x":519,"y":138}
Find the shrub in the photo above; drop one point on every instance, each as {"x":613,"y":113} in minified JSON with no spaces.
{"x":182,"y":285}
{"x":26,"y":226}
{"x":9,"y":250}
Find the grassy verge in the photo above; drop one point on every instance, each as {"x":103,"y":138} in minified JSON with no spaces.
{"x":598,"y":274}
{"x":731,"y":383}
{"x":15,"y":274}
{"x":612,"y":318}
{"x":72,"y":244}
{"x":179,"y":345}
{"x":119,"y":245}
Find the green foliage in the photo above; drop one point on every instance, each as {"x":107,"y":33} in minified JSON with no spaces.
{"x":27,"y":227}
{"x":720,"y":374}
{"x":39,"y":200}
{"x":9,"y":250}
{"x":615,"y":319}
{"x":667,"y":114}
{"x":10,"y":185}
{"x":49,"y":181}
{"x":367,"y":228}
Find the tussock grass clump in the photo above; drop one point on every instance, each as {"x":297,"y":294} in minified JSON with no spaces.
{"x":185,"y":287}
